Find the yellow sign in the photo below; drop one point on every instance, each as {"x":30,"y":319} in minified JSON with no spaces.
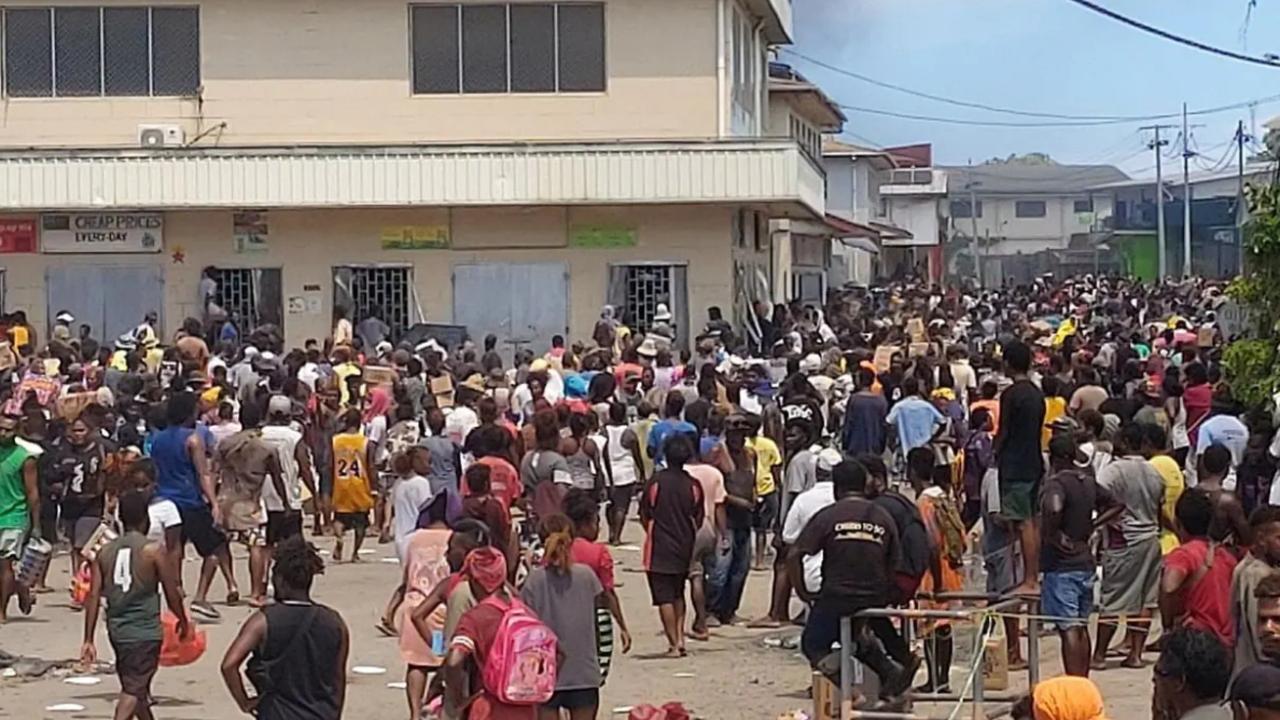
{"x":415,"y":237}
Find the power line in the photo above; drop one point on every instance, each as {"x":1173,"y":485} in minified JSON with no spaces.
{"x":953,"y":101}
{"x":1047,"y":123}
{"x":1176,"y":38}
{"x":1076,"y":120}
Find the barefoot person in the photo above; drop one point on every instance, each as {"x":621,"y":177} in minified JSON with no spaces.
{"x":183,"y":476}
{"x":19,"y":511}
{"x":1067,"y":522}
{"x":671,"y":511}
{"x":1130,"y":548}
{"x":245,"y":462}
{"x":129,"y":573}
{"x":1019,"y":460}
{"x":353,"y":469}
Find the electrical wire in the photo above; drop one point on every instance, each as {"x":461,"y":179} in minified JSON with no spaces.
{"x":1175,"y":38}
{"x":1049,"y":123}
{"x":953,"y":101}
{"x":1067,"y":120}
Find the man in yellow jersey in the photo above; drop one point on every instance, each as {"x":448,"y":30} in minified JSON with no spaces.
{"x":352,"y":483}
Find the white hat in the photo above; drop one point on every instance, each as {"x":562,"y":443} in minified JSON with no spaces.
{"x":828,"y":459}
{"x":811,"y":364}
{"x":661,"y":313}
{"x":648,"y":348}
{"x":279,"y":405}
{"x":384,"y":348}
{"x":65,"y":317}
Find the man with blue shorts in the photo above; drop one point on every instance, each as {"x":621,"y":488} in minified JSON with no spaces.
{"x":1067,"y":506}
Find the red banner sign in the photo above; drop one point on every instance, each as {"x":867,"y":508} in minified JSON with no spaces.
{"x":17,"y":235}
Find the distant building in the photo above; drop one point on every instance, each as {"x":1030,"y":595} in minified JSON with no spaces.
{"x":1215,"y":239}
{"x":1013,"y":220}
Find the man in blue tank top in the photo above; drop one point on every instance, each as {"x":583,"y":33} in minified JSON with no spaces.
{"x":183,"y":477}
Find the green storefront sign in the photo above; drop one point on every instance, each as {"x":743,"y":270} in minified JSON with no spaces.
{"x":602,"y":237}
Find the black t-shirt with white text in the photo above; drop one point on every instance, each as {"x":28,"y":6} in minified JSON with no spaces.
{"x":860,"y":549}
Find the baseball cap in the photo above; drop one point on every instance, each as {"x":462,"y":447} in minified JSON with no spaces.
{"x":1258,"y":687}
{"x":828,"y":459}
{"x":279,"y":405}
{"x":811,"y":364}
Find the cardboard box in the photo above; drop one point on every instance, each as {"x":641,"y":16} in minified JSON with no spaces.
{"x":70,"y":406}
{"x":884,"y":357}
{"x":442,"y":388}
{"x":379,"y":375}
{"x":915,"y":328}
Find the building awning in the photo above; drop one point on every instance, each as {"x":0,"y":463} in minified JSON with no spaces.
{"x":851,"y":234}
{"x":860,"y":243}
{"x":892,"y":232}
{"x":771,"y":173}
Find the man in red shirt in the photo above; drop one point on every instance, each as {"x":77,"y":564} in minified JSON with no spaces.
{"x":1195,"y":590}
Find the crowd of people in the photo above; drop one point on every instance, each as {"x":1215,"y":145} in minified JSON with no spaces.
{"x":872,"y":452}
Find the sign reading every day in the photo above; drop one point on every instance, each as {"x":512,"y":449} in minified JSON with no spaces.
{"x":102,"y":232}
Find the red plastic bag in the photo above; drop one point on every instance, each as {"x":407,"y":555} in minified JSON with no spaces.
{"x":174,"y":651}
{"x":80,"y":585}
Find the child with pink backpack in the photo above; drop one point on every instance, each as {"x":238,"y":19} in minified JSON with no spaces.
{"x":503,"y":661}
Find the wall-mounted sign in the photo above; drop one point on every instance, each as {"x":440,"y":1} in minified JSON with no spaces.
{"x":598,"y":236}
{"x":249,"y":231}
{"x":17,"y":235}
{"x":415,"y":237}
{"x":102,"y":232}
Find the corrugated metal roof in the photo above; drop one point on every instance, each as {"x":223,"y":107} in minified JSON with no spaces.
{"x":1027,"y":179}
{"x":614,"y":173}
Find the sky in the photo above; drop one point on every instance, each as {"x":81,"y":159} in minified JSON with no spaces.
{"x":1050,"y":56}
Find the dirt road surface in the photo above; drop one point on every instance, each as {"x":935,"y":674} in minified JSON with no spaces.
{"x":735,"y":675}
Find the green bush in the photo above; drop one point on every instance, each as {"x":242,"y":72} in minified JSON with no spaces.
{"x":1252,"y":370}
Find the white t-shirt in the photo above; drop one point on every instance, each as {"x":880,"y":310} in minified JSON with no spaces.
{"x":459,"y":424}
{"x":410,"y":496}
{"x":803,"y":508}
{"x":285,"y":441}
{"x":164,"y":515}
{"x":376,"y":432}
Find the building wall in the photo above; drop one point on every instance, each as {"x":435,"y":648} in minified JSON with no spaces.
{"x":1060,"y":222}
{"x":334,"y":71}
{"x":840,"y":185}
{"x":917,"y":215}
{"x":308,"y":244}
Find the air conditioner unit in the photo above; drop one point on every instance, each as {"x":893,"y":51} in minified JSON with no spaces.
{"x":159,"y":136}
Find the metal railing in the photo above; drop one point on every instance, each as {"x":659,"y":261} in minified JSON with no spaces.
{"x":973,"y":692}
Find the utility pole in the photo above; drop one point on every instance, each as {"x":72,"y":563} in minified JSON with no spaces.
{"x":973,"y":222}
{"x":1157,"y":144}
{"x":1241,"y":137}
{"x":1186,"y":196}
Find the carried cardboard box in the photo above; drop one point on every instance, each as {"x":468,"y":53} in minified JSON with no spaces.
{"x":71,"y":405}
{"x":884,"y":357}
{"x":380,"y":375}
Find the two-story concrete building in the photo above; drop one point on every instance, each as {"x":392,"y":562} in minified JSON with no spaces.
{"x":506,"y":166}
{"x":1016,"y":210}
